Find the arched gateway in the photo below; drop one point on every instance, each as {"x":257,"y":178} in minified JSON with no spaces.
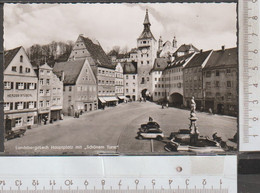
{"x":176,"y":99}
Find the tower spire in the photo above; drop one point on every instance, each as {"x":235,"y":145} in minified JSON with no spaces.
{"x":146,"y":19}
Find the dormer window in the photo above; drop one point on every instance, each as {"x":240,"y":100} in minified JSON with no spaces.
{"x":21,"y":69}
{"x":21,"y":58}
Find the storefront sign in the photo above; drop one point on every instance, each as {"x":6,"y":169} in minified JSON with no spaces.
{"x":19,"y":95}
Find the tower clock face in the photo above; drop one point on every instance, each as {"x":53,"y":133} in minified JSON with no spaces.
{"x":144,"y":50}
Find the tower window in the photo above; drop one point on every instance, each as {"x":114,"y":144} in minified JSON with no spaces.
{"x":21,"y":69}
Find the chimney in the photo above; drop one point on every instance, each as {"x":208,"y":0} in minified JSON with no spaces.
{"x":223,"y":48}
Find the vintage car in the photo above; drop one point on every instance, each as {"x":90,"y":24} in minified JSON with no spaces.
{"x":149,"y":125}
{"x":180,"y":141}
{"x":150,"y":133}
{"x":13,"y":133}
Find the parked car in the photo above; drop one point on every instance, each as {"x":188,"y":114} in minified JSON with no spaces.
{"x":11,"y":134}
{"x":150,"y":133}
{"x":149,"y":125}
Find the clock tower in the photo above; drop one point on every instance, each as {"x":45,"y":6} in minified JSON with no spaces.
{"x":146,"y":54}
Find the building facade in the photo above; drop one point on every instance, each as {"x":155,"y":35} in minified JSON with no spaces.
{"x":80,"y":88}
{"x":158,"y":86}
{"x":131,"y":80}
{"x":173,"y":79}
{"x":220,"y":82}
{"x":146,"y":54}
{"x":20,"y":90}
{"x":192,"y":79}
{"x":56,"y":96}
{"x":104,"y":71}
{"x":119,"y":82}
{"x":44,"y":73}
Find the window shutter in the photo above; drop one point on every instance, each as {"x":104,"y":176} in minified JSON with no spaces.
{"x":11,"y":106}
{"x":28,"y":85}
{"x":12,"y":85}
{"x":35,"y":86}
{"x":35,"y":104}
{"x":25,"y":85}
{"x":16,"y":104}
{"x":24,"y":105}
{"x":16,"y":85}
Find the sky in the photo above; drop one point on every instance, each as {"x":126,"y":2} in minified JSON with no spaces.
{"x":205,"y":25}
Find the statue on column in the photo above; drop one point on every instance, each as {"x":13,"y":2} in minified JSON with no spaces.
{"x":194,"y":132}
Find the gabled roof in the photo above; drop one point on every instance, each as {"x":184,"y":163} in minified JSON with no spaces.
{"x":97,"y":53}
{"x":223,"y":59}
{"x":9,"y":55}
{"x":71,"y":70}
{"x":133,"y":50}
{"x":186,"y":48}
{"x":198,"y":59}
{"x":179,"y":61}
{"x":160,"y":64}
{"x":129,"y":67}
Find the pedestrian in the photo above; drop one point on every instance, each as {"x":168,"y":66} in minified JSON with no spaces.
{"x":210,"y":111}
{"x":167,"y":105}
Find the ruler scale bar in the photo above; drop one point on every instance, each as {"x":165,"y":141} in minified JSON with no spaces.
{"x":121,"y":191}
{"x":249,"y":75}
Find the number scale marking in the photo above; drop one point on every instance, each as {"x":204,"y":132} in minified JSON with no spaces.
{"x":249,"y":82}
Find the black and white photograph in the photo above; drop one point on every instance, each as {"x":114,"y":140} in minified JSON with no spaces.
{"x":125,"y":78}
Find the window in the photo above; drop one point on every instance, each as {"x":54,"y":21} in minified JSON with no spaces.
{"x":64,"y":89}
{"x":208,"y":85}
{"x":229,"y":84}
{"x":18,"y":122}
{"x":229,"y":96}
{"x":133,"y":90}
{"x":48,"y":92}
{"x":103,"y":71}
{"x":47,"y":81}
{"x":147,"y":55}
{"x":156,"y":86}
{"x":69,"y":98}
{"x":126,"y":76}
{"x":21,"y":58}
{"x":70,"y":88}
{"x":27,"y":70}
{"x":127,"y":90}
{"x":48,"y":73}
{"x":142,"y":62}
{"x":142,"y":82}
{"x":47,"y":103}
{"x":21,"y":69}
{"x":41,"y":104}
{"x":58,"y":100}
{"x":147,"y":78}
{"x":126,"y":84}
{"x":54,"y":90}
{"x":6,"y":106}
{"x":144,"y":42}
{"x":31,"y":86}
{"x":217,"y":84}
{"x":208,"y":74}
{"x":31,"y":105}
{"x":228,"y":71}
{"x":217,"y":72}
{"x":30,"y":120}
{"x":147,"y":62}
{"x":41,"y":72}
{"x":14,"y":68}
{"x":19,"y":105}
{"x":41,"y":92}
{"x":20,"y":85}
{"x":8,"y":85}
{"x":41,"y":81}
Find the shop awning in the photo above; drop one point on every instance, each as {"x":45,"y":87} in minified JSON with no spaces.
{"x":108,"y":99}
{"x":102,"y":100}
{"x":121,"y":97}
